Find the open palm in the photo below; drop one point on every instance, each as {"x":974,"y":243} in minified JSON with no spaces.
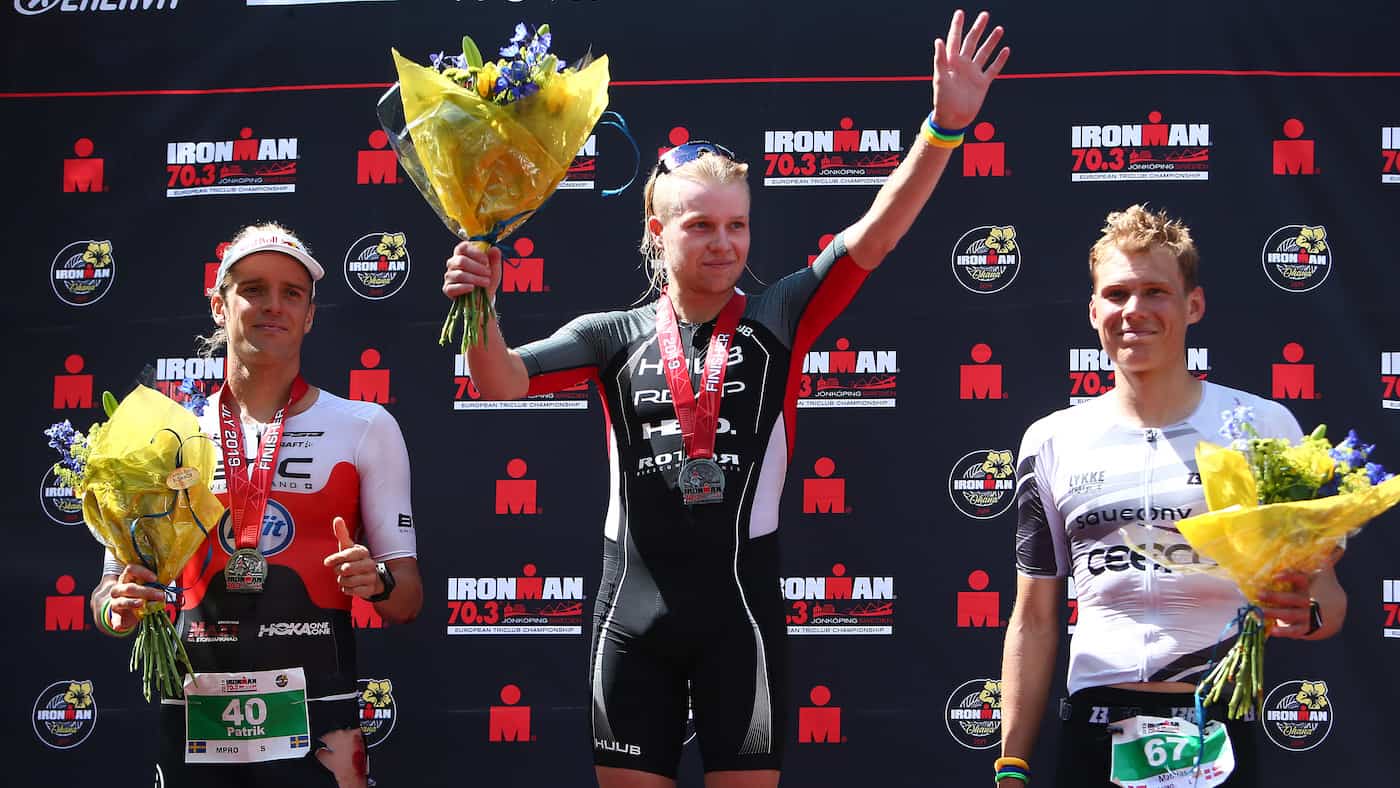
{"x":963,"y":69}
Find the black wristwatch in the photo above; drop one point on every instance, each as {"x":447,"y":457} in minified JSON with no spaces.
{"x":1314,"y":617}
{"x":387,"y":578}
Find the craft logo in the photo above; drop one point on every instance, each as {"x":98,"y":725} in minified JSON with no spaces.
{"x":212,"y":632}
{"x":377,"y":710}
{"x":186,"y":379}
{"x":584,"y":168}
{"x":277,"y":529}
{"x":525,"y":605}
{"x":467,"y":397}
{"x":1293,"y":156}
{"x":247,"y":165}
{"x":986,"y":259}
{"x":1152,"y":151}
{"x":1390,"y":380}
{"x":1091,"y":371}
{"x":1297,"y":257}
{"x":82,"y":272}
{"x":36,"y":7}
{"x":838,"y":604}
{"x":983,"y":483}
{"x":846,"y":378}
{"x":973,"y":714}
{"x":844,"y":156}
{"x":1298,"y":714}
{"x":58,"y":501}
{"x":1390,"y":154}
{"x":376,"y":265}
{"x":983,"y":157}
{"x":83,"y":173}
{"x":65,"y":714}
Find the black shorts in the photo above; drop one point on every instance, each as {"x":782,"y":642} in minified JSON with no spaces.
{"x":723,"y":648}
{"x":1085,"y":741}
{"x":173,"y":772}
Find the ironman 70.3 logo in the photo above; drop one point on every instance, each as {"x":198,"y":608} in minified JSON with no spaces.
{"x":1297,"y":257}
{"x":986,"y":259}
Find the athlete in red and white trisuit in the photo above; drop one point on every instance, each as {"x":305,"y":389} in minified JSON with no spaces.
{"x":337,"y":524}
{"x":688,"y":593}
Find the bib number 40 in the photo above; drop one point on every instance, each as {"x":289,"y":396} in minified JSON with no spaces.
{"x":240,"y":712}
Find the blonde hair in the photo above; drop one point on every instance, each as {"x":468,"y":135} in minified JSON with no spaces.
{"x":708,"y":168}
{"x":206,"y":346}
{"x":1136,"y":229}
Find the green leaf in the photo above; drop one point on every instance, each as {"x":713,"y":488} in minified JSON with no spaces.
{"x":109,"y":403}
{"x":542,"y":29}
{"x":471,"y":53}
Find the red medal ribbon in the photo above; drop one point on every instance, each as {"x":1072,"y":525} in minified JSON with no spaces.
{"x":698,"y":417}
{"x":247,"y":497}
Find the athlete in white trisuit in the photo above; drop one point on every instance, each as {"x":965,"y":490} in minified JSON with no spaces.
{"x":689,"y":591}
{"x":1100,"y":487}
{"x":336,"y":524}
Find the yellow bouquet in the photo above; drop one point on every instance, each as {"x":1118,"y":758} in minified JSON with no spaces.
{"x":487,"y":142}
{"x":1276,"y":506}
{"x":143,"y":480}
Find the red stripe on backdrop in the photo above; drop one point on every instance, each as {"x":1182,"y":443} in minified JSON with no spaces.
{"x":636,"y":83}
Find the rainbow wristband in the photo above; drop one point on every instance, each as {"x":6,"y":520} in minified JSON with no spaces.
{"x":104,"y":624}
{"x":940,"y":137}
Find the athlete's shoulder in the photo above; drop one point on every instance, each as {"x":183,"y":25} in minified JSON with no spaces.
{"x":1271,"y":418}
{"x":1071,"y":423}
{"x":333,"y":406}
{"x":614,"y":322}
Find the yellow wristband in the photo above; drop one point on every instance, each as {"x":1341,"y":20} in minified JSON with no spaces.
{"x":1006,"y":761}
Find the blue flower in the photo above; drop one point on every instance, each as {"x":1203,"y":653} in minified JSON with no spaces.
{"x":195,"y":400}
{"x":522,"y":31}
{"x":1238,"y":422}
{"x":1351,"y":452}
{"x":60,"y":436}
{"x":1377,"y":474}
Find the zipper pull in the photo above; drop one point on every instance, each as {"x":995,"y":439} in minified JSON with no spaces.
{"x":1152,"y":437}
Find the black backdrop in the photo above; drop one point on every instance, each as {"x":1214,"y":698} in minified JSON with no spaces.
{"x":132,"y":80}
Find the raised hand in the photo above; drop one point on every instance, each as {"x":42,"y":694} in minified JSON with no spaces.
{"x":963,"y":70}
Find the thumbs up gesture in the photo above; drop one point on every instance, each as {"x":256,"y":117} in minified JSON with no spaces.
{"x":355,"y":571}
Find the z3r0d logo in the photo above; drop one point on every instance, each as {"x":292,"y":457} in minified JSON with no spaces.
{"x":986,"y":259}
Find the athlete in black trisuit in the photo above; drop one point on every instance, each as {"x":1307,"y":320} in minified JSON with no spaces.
{"x":326,"y":519}
{"x":700,"y":392}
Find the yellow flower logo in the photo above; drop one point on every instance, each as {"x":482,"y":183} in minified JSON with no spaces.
{"x":1313,"y":240}
{"x":1002,"y":239}
{"x":991,"y":693}
{"x":379,"y":694}
{"x":98,"y":254}
{"x":998,"y":464}
{"x":1313,"y":695}
{"x":79,"y":694}
{"x":392,"y":246}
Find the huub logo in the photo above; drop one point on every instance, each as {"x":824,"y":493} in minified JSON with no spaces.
{"x":617,"y":747}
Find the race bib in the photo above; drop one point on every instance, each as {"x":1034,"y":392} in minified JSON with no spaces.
{"x":246,"y":717}
{"x":1153,"y":752}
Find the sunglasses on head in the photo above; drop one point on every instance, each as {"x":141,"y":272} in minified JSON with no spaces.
{"x":690,"y":151}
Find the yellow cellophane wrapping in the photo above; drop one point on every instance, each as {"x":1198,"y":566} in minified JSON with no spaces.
{"x":130,"y":459}
{"x":487,"y":162}
{"x":1253,"y":543}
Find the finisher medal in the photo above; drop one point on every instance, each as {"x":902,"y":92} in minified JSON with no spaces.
{"x":246,"y":570}
{"x":701,"y":480}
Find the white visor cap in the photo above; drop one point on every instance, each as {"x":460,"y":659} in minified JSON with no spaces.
{"x":269,"y":241}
